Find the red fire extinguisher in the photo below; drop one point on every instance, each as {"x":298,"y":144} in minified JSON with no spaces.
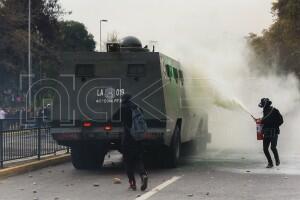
{"x":259,"y":127}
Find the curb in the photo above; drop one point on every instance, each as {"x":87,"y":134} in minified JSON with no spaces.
{"x":34,"y":165}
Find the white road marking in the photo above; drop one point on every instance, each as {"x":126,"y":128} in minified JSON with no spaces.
{"x":158,"y":188}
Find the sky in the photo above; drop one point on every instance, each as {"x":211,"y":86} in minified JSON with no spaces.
{"x":174,"y":24}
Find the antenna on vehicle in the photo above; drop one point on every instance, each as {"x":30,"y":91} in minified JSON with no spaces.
{"x":153,"y":43}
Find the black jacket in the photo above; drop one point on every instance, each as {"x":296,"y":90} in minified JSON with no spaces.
{"x":272,"y":119}
{"x":125,"y":112}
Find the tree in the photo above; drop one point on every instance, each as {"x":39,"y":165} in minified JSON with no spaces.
{"x":14,"y":32}
{"x":14,"y":42}
{"x":73,"y":36}
{"x":280,"y":44}
{"x":49,"y":35}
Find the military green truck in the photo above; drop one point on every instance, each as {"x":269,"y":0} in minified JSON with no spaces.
{"x":90,"y":86}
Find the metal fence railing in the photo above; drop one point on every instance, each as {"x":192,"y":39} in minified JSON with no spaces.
{"x":18,"y":141}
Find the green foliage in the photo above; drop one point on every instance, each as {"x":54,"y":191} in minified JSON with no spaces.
{"x":73,"y":36}
{"x":14,"y":33}
{"x":280,"y":45}
{"x":49,"y":36}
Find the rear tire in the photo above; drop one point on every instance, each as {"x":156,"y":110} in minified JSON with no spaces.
{"x":87,"y":156}
{"x":173,"y":152}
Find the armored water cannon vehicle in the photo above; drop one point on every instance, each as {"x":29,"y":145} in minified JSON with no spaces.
{"x":90,"y":87}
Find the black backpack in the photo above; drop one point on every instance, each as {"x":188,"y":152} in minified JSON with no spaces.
{"x":139,"y":125}
{"x":279,"y":118}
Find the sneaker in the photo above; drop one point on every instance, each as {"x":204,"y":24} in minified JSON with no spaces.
{"x":144,"y":182}
{"x":132,"y":185}
{"x":269,"y":165}
{"x":277,"y":163}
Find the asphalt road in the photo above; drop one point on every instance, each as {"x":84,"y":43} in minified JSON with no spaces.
{"x":218,"y":174}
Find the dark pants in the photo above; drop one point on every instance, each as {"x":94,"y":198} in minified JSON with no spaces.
{"x":273,"y":141}
{"x":133,"y":158}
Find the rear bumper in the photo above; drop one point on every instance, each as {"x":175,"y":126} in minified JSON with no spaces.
{"x":68,"y":135}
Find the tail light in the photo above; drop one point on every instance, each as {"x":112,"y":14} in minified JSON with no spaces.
{"x":87,"y":124}
{"x":108,"y":127}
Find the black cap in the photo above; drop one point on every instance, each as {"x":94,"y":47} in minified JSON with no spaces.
{"x":264,"y":102}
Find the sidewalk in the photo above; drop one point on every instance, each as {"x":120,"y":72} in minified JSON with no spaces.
{"x":24,"y":166}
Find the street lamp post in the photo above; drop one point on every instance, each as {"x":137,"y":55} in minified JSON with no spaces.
{"x":102,"y":20}
{"x":29,"y":52}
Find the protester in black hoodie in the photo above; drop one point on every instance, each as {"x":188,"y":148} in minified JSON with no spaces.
{"x":132,"y":150}
{"x":271,"y":121}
